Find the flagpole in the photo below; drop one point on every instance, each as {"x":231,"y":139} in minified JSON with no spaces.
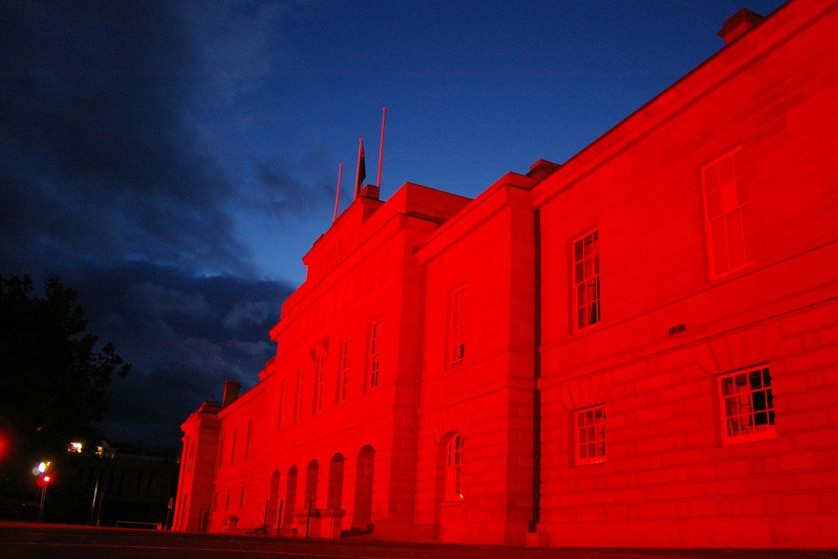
{"x":360,"y":170}
{"x":381,"y":147}
{"x":337,"y":192}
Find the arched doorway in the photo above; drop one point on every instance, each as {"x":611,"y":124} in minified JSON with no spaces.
{"x":290,"y":497}
{"x":335,"y":496}
{"x":271,"y":519}
{"x":311,"y":485}
{"x":363,"y":488}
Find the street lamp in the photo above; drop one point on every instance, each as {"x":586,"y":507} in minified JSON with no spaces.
{"x":44,"y":479}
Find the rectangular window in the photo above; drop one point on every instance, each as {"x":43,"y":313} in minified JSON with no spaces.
{"x":319,"y":381}
{"x":586,"y":292}
{"x":190,"y":461}
{"x":219,"y":457}
{"x":283,"y":391}
{"x":375,"y":353}
{"x":456,"y":326}
{"x":454,"y":469}
{"x":247,"y":440}
{"x":233,"y":447}
{"x":726,"y":214}
{"x":298,"y":398}
{"x":589,"y":428}
{"x":241,"y":498}
{"x":343,"y":372}
{"x":747,"y":405}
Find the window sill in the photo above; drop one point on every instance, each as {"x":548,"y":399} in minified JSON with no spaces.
{"x":731,"y":440}
{"x":590,"y":461}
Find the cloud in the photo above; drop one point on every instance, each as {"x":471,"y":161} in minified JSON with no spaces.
{"x":109,"y":181}
{"x":251,"y":348}
{"x":282,"y":194}
{"x":249,"y":312}
{"x":184,"y":335}
{"x":161,"y":301}
{"x":242,"y":42}
{"x":94,"y":153}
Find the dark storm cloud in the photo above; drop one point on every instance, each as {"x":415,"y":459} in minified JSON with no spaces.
{"x":282,"y":194}
{"x":107,"y":183}
{"x":95,"y":161}
{"x":185,"y":337}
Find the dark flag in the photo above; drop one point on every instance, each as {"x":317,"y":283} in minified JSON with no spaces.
{"x":361,"y":172}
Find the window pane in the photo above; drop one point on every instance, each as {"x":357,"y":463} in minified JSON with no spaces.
{"x":728,"y":230}
{"x":586,"y":280}
{"x":747,"y":404}
{"x":590,"y":435}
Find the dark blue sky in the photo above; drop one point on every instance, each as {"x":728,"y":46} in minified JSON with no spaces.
{"x":173,"y":161}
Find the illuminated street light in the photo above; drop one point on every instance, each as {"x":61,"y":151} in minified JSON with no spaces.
{"x":44,"y":480}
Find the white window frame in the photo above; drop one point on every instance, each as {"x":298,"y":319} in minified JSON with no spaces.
{"x":283,"y":392}
{"x":319,"y":382}
{"x":589,"y":444}
{"x":298,"y":399}
{"x":248,"y":439}
{"x":343,"y":372}
{"x":726,"y":215}
{"x":375,"y":354}
{"x":456,"y":326}
{"x":746,"y":405}
{"x":585,"y":279}
{"x":454,"y":460}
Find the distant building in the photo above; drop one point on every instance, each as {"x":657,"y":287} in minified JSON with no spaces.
{"x":636,"y":348}
{"x":108,"y":487}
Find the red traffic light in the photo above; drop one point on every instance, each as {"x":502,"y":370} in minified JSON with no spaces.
{"x":44,"y":479}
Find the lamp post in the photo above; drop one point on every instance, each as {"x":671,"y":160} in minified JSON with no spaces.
{"x":95,"y":496}
{"x":44,"y":479}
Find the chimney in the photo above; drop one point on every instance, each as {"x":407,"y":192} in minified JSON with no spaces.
{"x":542,"y":169}
{"x":738,"y":24}
{"x":231,"y":392}
{"x":369,"y":191}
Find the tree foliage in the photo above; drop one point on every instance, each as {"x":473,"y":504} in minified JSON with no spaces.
{"x":53,"y":373}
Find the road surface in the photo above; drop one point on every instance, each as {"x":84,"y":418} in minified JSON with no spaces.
{"x":44,"y":541}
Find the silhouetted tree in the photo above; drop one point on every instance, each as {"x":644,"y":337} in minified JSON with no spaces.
{"x":53,"y":376}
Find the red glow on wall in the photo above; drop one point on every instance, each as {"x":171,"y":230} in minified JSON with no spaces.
{"x":636,"y":348}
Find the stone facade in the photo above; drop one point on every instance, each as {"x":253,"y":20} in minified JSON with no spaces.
{"x":636,"y":348}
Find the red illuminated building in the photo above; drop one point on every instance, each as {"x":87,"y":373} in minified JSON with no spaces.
{"x":638,"y":347}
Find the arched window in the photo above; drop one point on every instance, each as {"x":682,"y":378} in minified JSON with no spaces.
{"x":454,"y":468}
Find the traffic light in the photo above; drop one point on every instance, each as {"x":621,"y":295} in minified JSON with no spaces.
{"x":44,"y":480}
